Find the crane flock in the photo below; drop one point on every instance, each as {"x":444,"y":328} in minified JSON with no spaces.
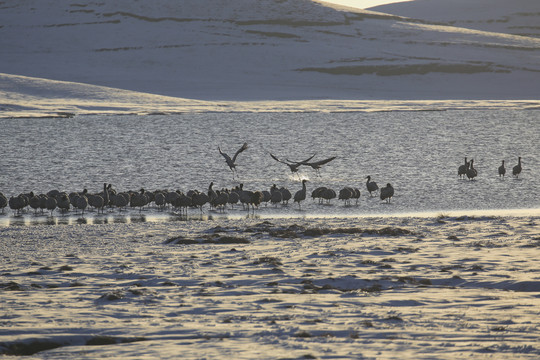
{"x":467,"y":169}
{"x":110,"y":199}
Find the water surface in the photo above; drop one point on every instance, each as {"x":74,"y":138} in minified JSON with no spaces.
{"x":417,"y":152}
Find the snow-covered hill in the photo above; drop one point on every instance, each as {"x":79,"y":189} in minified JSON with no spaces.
{"x":246,"y":50}
{"x":517,"y":17}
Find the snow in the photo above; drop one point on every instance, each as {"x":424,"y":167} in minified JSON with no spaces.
{"x":132,"y":57}
{"x":441,"y":287}
{"x":520,"y":17}
{"x":359,"y":4}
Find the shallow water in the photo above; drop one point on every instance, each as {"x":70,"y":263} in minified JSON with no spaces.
{"x":417,"y":152}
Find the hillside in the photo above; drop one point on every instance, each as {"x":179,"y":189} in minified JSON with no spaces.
{"x":517,"y":17}
{"x":255,"y":50}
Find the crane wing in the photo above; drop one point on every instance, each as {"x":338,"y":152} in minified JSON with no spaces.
{"x":303,"y":162}
{"x":244,"y":147}
{"x":320,"y":162}
{"x":227,"y":157}
{"x":276,"y":158}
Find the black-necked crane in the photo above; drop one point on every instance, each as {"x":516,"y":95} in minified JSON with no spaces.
{"x":371,"y":185}
{"x":106,"y":195}
{"x":138,"y":199}
{"x":516,"y":170}
{"x":232,"y":162}
{"x":502,"y":170}
{"x":234,"y":197}
{"x":346,"y":194}
{"x":17,"y":203}
{"x":317,"y":193}
{"x":318,"y":164}
{"x":387,"y":192}
{"x":81,"y":202}
{"x":285,"y":194}
{"x":293,"y":165}
{"x":3,"y":202}
{"x":63,"y":202}
{"x":328,"y":194}
{"x":462,"y":169}
{"x":199,"y":199}
{"x":122,"y":200}
{"x":160,"y":200}
{"x":471,"y":171}
{"x":51,"y":204}
{"x":35,"y":202}
{"x":275,"y":195}
{"x":356,"y":194}
{"x":212,"y":195}
{"x":300,"y":195}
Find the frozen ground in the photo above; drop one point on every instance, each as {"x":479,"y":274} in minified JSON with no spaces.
{"x":62,"y":57}
{"x":441,"y":287}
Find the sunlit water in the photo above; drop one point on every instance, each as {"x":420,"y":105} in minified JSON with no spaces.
{"x":417,"y":152}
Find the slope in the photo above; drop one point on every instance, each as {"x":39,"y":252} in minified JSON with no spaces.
{"x":261,"y":50}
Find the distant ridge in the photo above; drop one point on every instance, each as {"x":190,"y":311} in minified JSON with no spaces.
{"x":518,"y":17}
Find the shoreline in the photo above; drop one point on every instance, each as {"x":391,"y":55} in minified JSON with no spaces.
{"x":30,"y":220}
{"x":26,"y":97}
{"x":46,"y":110}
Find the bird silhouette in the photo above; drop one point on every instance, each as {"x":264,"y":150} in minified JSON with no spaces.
{"x":371,"y":185}
{"x":63,"y":202}
{"x":462,"y":169}
{"x":96,"y":201}
{"x":328,"y":194}
{"x":122,"y":200}
{"x":3,"y":202}
{"x":317,"y":164}
{"x":345,"y":194}
{"x":293,"y":165}
{"x":387,"y":192}
{"x":502,"y":170}
{"x":275,"y":195}
{"x":516,"y":170}
{"x":220,"y":202}
{"x":106,"y":196}
{"x":234,"y":197}
{"x":51,"y":204}
{"x":212,"y":195}
{"x":34,"y":202}
{"x":138,"y":199}
{"x":256,"y":197}
{"x":356,"y":194}
{"x":199,"y":199}
{"x":232,"y":162}
{"x":471,"y":171}
{"x":285,"y":195}
{"x":317,"y":193}
{"x":17,"y":203}
{"x":82,"y":202}
{"x":160,"y":200}
{"x":300,"y":195}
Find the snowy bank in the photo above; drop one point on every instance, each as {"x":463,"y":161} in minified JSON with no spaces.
{"x":440,"y":287}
